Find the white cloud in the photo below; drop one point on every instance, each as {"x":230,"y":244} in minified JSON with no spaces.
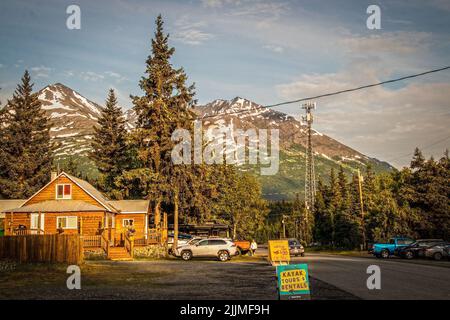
{"x":262,"y":12}
{"x":274,"y":48}
{"x":116,"y":76}
{"x":390,"y":42}
{"x":191,"y":33}
{"x":41,"y":71}
{"x":383,"y":121}
{"x":91,"y":76}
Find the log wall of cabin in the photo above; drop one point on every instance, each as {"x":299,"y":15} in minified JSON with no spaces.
{"x":90,"y":222}
{"x":49,"y":193}
{"x":138,"y":223}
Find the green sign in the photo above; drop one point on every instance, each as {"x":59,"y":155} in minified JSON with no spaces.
{"x":293,"y":281}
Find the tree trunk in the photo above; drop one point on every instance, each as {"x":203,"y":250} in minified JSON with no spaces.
{"x":158,"y":214}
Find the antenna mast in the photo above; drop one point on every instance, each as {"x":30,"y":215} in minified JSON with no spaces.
{"x":310,"y":177}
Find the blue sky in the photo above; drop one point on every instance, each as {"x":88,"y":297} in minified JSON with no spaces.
{"x":264,"y":50}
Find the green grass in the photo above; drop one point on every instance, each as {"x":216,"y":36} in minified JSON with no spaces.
{"x":352,"y":253}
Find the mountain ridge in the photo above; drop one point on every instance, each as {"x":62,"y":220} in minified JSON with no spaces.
{"x":73,"y":118}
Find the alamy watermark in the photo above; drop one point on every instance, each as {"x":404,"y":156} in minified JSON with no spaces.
{"x":227,"y":145}
{"x":373,"y":22}
{"x":73,"y":21}
{"x":374,"y":280}
{"x":74,"y":280}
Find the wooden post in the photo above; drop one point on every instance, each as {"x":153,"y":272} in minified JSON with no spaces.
{"x":39,"y":223}
{"x":158,"y":215}
{"x":164,"y":233}
{"x":132,"y":246}
{"x":81,"y":226}
{"x":12,"y":223}
{"x":362,"y":209}
{"x":175,"y":222}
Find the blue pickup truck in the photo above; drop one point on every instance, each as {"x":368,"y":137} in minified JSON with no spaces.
{"x":384,"y":250}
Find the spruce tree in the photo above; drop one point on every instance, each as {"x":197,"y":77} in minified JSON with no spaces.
{"x":109,"y":147}
{"x":164,"y":106}
{"x":26,"y":149}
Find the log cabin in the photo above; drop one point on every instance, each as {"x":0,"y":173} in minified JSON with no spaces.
{"x":71,"y":205}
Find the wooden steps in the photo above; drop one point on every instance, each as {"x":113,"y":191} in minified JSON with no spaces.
{"x":119,"y":254}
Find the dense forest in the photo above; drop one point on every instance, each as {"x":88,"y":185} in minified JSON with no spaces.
{"x":414,"y":201}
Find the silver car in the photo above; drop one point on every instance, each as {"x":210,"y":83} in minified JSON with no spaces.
{"x":220,"y":248}
{"x":438,"y":251}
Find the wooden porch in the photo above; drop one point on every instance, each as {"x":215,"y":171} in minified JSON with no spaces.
{"x":122,"y":252}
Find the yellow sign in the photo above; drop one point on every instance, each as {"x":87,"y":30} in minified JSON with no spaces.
{"x":279,"y":252}
{"x":293,"y":281}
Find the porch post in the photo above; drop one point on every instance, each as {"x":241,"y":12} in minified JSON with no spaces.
{"x":11,"y":223}
{"x":39,"y":223}
{"x":146,"y":226}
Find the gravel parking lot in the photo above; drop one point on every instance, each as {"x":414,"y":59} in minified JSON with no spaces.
{"x":243,"y":279}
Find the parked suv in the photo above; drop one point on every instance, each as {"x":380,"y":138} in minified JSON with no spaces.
{"x":221,"y":248}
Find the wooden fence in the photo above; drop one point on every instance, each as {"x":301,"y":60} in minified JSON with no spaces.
{"x":43,"y":248}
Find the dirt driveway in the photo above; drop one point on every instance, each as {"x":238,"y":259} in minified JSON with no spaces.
{"x":242,"y":279}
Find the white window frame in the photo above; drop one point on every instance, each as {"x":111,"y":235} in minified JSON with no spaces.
{"x":34,"y":221}
{"x":67,"y":227}
{"x":64,"y":197}
{"x":123,"y":223}
{"x":37,"y":225}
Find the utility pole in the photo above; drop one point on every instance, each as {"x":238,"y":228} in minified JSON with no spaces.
{"x":360,"y":179}
{"x":284,"y":226}
{"x":175,"y":222}
{"x":310,"y":179}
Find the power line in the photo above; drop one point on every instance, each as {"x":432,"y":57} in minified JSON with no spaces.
{"x":359,"y":88}
{"x":337,"y":92}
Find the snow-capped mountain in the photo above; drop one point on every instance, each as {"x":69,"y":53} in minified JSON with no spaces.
{"x":73,"y":118}
{"x":244,"y":114}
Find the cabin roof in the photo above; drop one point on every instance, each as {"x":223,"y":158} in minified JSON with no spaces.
{"x":57,"y":206}
{"x":6,"y":205}
{"x":86,"y":186}
{"x":90,"y":189}
{"x":130,"y":206}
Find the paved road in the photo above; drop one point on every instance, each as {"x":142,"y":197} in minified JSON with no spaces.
{"x":399,"y":279}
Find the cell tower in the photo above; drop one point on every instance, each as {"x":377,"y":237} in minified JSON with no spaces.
{"x":310,"y":177}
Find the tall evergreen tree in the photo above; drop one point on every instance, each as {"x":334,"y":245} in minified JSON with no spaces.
{"x":109,"y":147}
{"x":26,"y":149}
{"x":164,"y":106}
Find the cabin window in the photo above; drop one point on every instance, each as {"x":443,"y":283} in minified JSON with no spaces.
{"x":63,"y":191}
{"x":128,"y":222}
{"x":34,"y":221}
{"x":70,"y":222}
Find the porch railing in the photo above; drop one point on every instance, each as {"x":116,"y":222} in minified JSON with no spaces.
{"x":27,"y":232}
{"x":92,"y":241}
{"x":153,"y":237}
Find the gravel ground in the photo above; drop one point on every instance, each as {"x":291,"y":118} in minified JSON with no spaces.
{"x":244,"y":279}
